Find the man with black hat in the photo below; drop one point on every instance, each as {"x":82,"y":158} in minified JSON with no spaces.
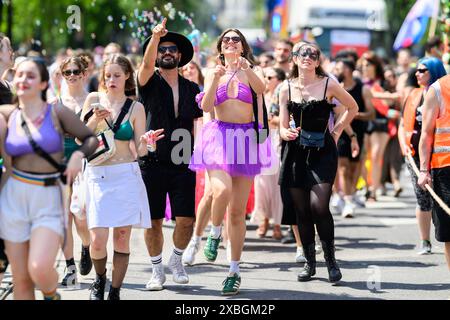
{"x":169,"y":101}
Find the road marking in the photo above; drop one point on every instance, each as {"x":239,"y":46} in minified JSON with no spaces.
{"x":398,"y":221}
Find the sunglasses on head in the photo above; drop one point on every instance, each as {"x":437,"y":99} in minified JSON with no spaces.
{"x":68,"y":73}
{"x":234,"y":39}
{"x":172,"y":49}
{"x":423,"y":70}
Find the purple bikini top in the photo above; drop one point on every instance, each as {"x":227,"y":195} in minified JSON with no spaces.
{"x":46,"y":137}
{"x":244,"y":93}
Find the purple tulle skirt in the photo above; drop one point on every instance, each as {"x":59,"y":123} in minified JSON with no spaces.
{"x":231,"y":147}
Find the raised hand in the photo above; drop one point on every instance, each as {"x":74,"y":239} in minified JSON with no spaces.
{"x":219,"y":71}
{"x":160,"y":30}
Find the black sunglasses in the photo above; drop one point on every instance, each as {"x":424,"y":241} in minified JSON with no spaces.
{"x":234,"y":39}
{"x":172,"y":49}
{"x":307,"y":53}
{"x":68,"y":73}
{"x":423,"y":70}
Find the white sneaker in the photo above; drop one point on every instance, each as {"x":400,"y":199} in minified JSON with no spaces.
{"x":349,"y":210}
{"x":358,"y":202}
{"x":336,"y":203}
{"x":318,"y":245}
{"x":299,"y":257}
{"x":190,"y":252}
{"x":176,"y":266}
{"x":157,"y":280}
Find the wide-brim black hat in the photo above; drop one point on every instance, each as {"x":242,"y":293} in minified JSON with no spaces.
{"x":184,"y":46}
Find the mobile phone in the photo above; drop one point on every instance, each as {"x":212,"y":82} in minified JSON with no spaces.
{"x":98,"y":107}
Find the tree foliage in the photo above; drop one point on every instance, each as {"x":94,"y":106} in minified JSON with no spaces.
{"x":43,"y":23}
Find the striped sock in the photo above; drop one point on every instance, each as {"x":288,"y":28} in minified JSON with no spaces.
{"x":177,"y":252}
{"x":156,"y":260}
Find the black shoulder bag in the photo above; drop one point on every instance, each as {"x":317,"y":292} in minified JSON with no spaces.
{"x":261,"y":135}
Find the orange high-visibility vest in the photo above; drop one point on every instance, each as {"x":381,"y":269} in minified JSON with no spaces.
{"x":409,"y":115}
{"x":441,"y":147}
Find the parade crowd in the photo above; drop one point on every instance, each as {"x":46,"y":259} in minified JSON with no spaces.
{"x":112,"y":141}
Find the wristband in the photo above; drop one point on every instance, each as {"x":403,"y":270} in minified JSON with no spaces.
{"x":424,"y":170}
{"x":353,"y":135}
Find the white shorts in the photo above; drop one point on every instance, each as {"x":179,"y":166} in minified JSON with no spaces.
{"x":116,"y":197}
{"x":25,"y":206}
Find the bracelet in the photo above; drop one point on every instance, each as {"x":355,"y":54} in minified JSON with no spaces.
{"x":424,"y":170}
{"x":353,"y":135}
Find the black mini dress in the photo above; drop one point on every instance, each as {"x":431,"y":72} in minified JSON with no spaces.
{"x":304,"y":167}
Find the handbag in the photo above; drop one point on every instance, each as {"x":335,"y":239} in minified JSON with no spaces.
{"x":106,"y":145}
{"x":311,"y":139}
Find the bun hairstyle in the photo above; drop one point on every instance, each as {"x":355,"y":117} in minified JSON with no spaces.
{"x":80,"y":61}
{"x":126,"y":66}
{"x":247,"y":54}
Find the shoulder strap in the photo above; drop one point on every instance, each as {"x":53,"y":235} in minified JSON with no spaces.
{"x":289,"y":89}
{"x":37,"y":149}
{"x":126,"y":107}
{"x":326,"y":87}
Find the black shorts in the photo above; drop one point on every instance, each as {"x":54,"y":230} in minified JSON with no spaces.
{"x":162,"y":179}
{"x":441,"y":219}
{"x":344,"y":146}
{"x":3,"y":258}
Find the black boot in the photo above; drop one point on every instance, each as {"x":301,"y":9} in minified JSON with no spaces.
{"x":309,"y":269}
{"x":334,"y":274}
{"x":85,"y":261}
{"x":114,"y":293}
{"x":98,"y":288}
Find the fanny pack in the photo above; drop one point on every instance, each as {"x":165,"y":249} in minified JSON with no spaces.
{"x":311,"y":139}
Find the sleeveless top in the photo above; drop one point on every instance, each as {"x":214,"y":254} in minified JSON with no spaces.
{"x":47,"y":137}
{"x":315,"y":114}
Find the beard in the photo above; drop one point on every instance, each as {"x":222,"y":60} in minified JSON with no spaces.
{"x":168,"y":64}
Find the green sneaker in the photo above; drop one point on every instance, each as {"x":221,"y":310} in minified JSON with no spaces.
{"x":211,"y":247}
{"x":231,"y":285}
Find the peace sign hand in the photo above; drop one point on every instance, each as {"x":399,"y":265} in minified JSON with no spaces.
{"x":160,"y":30}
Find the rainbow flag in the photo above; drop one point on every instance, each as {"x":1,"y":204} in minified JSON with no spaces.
{"x":415,"y":24}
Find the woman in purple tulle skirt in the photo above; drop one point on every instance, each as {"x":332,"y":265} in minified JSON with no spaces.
{"x":228,"y":147}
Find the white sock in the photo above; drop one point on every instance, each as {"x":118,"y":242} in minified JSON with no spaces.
{"x":177,"y":252}
{"x":156,"y":260}
{"x":197,"y":239}
{"x":215,"y":231}
{"x":234,"y":267}
{"x":300,"y":249}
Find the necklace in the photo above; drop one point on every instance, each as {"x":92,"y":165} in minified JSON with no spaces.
{"x":40,"y":118}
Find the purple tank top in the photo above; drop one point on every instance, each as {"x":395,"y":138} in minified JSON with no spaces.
{"x":47,"y":137}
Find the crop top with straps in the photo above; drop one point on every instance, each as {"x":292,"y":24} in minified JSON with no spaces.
{"x":244,"y":93}
{"x":46,"y":136}
{"x":125,"y":132}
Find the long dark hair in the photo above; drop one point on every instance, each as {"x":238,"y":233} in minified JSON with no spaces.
{"x":247,"y":54}
{"x":319,"y":70}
